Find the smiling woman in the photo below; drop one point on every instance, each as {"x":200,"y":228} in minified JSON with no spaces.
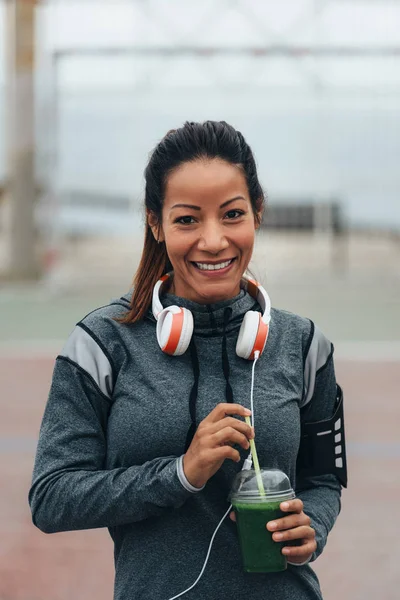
{"x":203,"y":203}
{"x":145,"y":430}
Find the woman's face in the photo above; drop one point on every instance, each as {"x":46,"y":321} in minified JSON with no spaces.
{"x":208,"y":226}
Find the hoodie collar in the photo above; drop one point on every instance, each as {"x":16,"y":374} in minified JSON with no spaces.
{"x":209,"y":318}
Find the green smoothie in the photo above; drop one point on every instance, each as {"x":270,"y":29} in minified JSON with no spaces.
{"x":260,"y":554}
{"x":255,"y":504}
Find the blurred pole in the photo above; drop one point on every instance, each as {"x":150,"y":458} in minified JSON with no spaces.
{"x":23,"y":262}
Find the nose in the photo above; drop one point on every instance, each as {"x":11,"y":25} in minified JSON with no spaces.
{"x":212,"y":238}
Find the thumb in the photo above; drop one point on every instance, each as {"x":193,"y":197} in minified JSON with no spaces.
{"x":232,"y":516}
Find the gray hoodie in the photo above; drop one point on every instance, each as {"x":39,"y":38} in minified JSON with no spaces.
{"x":120,"y":413}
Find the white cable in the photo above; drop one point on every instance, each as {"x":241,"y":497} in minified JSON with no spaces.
{"x":207,"y":556}
{"x":247,"y":465}
{"x":256,"y":356}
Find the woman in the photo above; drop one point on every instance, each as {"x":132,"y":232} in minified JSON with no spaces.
{"x":143,"y":432}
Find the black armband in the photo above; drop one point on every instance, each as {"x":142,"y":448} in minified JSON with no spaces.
{"x":323,"y":447}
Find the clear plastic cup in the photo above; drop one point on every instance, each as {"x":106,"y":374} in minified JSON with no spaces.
{"x":260,"y":553}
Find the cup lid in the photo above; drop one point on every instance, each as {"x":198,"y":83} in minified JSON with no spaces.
{"x":276,"y":485}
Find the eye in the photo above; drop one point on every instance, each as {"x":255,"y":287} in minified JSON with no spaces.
{"x":234,"y":213}
{"x":186,"y":220}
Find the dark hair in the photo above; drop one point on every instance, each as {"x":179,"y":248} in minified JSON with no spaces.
{"x":193,"y":141}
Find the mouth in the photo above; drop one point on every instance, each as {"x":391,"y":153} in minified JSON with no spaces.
{"x":211,"y":268}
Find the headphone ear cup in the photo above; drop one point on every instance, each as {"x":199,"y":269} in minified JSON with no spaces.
{"x":253,"y":335}
{"x":248,"y":334}
{"x":174,"y":330}
{"x":186,"y":333}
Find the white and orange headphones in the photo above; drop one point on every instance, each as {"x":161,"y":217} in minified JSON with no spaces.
{"x":175,"y":324}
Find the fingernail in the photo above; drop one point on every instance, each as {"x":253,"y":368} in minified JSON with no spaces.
{"x":285,"y":505}
{"x":272,"y":525}
{"x":278,"y":536}
{"x":285,"y":551}
{"x":247,"y":411}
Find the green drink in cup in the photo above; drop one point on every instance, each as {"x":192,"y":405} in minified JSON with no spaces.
{"x":254,"y":506}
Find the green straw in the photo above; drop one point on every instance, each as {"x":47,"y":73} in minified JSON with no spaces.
{"x":255,"y":462}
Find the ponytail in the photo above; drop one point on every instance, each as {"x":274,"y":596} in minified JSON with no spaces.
{"x":154,"y":263}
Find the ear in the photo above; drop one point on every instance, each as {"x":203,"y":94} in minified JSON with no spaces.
{"x":155,"y":226}
{"x":258,"y":218}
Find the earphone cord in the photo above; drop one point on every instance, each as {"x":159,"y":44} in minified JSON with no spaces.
{"x":247,"y":465}
{"x":256,"y":357}
{"x":207,"y":556}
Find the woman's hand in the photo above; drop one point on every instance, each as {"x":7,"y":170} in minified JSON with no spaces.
{"x":295,"y":526}
{"x":213,"y":440}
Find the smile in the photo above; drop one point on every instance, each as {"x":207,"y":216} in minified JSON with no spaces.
{"x":213,"y":267}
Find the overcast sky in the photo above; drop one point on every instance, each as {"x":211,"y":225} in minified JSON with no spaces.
{"x":120,"y":24}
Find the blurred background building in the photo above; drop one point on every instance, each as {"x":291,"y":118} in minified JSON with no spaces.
{"x":87,"y":89}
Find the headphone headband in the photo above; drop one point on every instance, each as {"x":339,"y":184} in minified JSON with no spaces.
{"x":257,"y":291}
{"x":157,"y":307}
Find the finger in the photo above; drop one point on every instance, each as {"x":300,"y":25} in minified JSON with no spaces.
{"x":289,"y":522}
{"x":223,"y":409}
{"x":298,"y":533}
{"x":293,"y":506}
{"x":223,"y":452}
{"x":228,"y":435}
{"x":300,"y":553}
{"x":235,"y":423}
{"x":232,"y":516}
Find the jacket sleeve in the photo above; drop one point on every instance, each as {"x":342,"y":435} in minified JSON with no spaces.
{"x":320,"y":494}
{"x":71,"y":487}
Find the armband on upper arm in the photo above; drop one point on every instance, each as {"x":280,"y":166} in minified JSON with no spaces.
{"x":322,"y":446}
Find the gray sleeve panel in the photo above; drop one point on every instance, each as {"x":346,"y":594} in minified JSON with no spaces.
{"x":319,"y":352}
{"x":83,"y":350}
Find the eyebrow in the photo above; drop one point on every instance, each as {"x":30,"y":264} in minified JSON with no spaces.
{"x":199,"y":207}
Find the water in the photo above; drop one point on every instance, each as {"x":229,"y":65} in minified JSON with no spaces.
{"x":350,"y":153}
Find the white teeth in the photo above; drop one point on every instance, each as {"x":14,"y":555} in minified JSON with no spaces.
{"x":207,"y":267}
